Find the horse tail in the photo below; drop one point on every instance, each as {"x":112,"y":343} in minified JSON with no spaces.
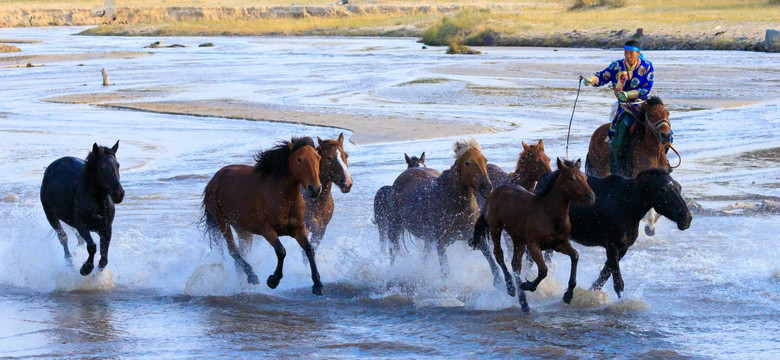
{"x":481,"y":229}
{"x":208,"y":226}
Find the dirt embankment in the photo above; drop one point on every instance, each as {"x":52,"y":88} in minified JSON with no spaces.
{"x":57,"y":17}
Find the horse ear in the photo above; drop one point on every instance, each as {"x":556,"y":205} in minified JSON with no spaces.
{"x":525,"y":146}
{"x":406,"y":157}
{"x":95,"y":148}
{"x":341,"y":139}
{"x":578,"y":164}
{"x":290,"y":144}
{"x":319,"y":141}
{"x":561,"y":166}
{"x":115,"y":148}
{"x":422,"y":157}
{"x":541,"y":144}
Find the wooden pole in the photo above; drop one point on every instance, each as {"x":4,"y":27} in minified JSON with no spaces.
{"x":105,"y":77}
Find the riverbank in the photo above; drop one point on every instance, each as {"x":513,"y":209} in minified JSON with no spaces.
{"x":666,"y":25}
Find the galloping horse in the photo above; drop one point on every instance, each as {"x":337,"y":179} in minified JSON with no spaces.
{"x":265,"y":199}
{"x":612,"y":221}
{"x":440,"y":208}
{"x":383,"y":206}
{"x":82,"y":194}
{"x":333,"y":169}
{"x":650,"y":139}
{"x":538,"y":222}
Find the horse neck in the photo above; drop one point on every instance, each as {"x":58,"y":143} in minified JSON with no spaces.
{"x":285,"y":184}
{"x":90,"y":182}
{"x":555,"y":203}
{"x":522,"y":178}
{"x":449,"y":182}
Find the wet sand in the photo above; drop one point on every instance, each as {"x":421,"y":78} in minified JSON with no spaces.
{"x":36,"y":59}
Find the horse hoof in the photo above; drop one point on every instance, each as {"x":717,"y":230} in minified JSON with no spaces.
{"x":272,"y":281}
{"x":528,"y":286}
{"x":86,"y":269}
{"x":567,"y":296}
{"x":317,"y":290}
{"x":525,"y":308}
{"x":102,"y":264}
{"x":649,"y":231}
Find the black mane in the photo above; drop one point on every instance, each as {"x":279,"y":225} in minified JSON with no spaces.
{"x":274,"y":161}
{"x":91,"y":165}
{"x":653,"y":101}
{"x":545,"y":184}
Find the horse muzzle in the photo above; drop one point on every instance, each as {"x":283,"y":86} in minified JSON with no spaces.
{"x":314,"y":191}
{"x":686,"y":222}
{"x":118,"y":195}
{"x":589,"y":198}
{"x":346,"y":186}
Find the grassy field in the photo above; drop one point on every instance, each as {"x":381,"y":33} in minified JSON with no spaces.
{"x":723,"y":24}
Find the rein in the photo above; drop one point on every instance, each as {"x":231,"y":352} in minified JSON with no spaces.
{"x":579,"y":85}
{"x":654,"y":129}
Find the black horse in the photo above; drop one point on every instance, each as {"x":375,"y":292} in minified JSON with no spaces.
{"x":82,"y":194}
{"x":612,"y":221}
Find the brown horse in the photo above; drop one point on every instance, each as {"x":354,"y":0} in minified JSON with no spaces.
{"x":383,"y":207}
{"x":651,"y":137}
{"x":266,"y":200}
{"x":333,"y":169}
{"x":440,"y":208}
{"x":532,"y":165}
{"x":538,"y":222}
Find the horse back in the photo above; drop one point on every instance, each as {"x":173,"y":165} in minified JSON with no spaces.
{"x":497,"y":175}
{"x":58,"y":187}
{"x":253,"y":201}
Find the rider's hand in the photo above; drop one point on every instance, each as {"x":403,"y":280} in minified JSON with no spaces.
{"x":622,"y":96}
{"x":585,"y":80}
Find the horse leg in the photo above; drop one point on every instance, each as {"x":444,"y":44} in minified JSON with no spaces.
{"x":273,"y":239}
{"x":565,"y":248}
{"x":244,"y":241}
{"x":498,"y":252}
{"x":603,"y":277}
{"x":316,"y":238}
{"x":617,"y":277}
{"x":61,"y":235}
{"x":492,"y":263}
{"x":611,"y":268}
{"x":517,"y":267}
{"x":88,"y":265}
{"x":105,"y":241}
{"x":536,"y":254}
{"x":303,"y":241}
{"x":224,"y":228}
{"x":441,"y":249}
{"x":651,"y":219}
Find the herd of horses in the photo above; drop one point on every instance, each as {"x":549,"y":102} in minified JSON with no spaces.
{"x":287,"y":192}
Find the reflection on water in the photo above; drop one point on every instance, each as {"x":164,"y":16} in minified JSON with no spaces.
{"x":711,"y":291}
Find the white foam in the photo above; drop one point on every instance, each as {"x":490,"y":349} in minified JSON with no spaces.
{"x":71,"y":280}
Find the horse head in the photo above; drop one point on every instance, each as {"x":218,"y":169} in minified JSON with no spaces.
{"x":333,"y":163}
{"x":104,"y":169}
{"x":573,"y":183}
{"x":414,"y":161}
{"x":471,"y":165}
{"x":533,"y":162}
{"x":656,"y":118}
{"x":664,"y":194}
{"x":303,"y":163}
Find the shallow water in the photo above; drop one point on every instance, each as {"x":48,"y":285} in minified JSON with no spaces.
{"x":712,"y":291}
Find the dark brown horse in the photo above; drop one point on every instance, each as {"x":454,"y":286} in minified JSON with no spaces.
{"x":440,"y":208}
{"x":266,"y":200}
{"x":538,"y":222}
{"x":333,"y":169}
{"x":383,"y":206}
{"x":532,"y":165}
{"x":650,"y":140}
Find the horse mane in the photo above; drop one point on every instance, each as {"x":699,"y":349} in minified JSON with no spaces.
{"x":653,"y":101}
{"x":90,"y":165}
{"x":274,"y":160}
{"x":545,"y":184}
{"x":462,"y":146}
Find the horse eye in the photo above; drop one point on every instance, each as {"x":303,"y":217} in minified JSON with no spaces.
{"x":467,"y":163}
{"x":299,"y":160}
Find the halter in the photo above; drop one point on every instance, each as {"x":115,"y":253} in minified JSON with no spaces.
{"x":654,"y":129}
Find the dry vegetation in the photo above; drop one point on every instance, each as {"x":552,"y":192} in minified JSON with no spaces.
{"x":717,"y":24}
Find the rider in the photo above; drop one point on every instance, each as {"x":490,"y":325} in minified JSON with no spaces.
{"x":632,"y":78}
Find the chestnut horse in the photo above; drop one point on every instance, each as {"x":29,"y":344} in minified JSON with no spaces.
{"x":538,"y":222}
{"x":383,"y":206}
{"x":612,"y":221}
{"x":440,"y":208}
{"x":265,"y":199}
{"x":82,"y":194}
{"x":333,"y":169}
{"x":651,"y":137}
{"x":532,"y":165}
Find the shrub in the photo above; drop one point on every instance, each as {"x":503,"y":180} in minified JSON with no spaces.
{"x":468,"y":24}
{"x":590,"y":4}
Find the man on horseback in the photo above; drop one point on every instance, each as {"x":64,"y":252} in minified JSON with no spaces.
{"x":632,"y":80}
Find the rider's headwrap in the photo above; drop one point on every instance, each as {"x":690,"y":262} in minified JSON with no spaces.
{"x":635,"y":48}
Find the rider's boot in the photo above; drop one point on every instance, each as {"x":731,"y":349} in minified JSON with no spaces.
{"x":619,"y":149}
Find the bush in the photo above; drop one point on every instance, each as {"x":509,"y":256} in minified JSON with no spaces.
{"x":590,"y":4}
{"x":468,"y":25}
{"x":456,"y":48}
